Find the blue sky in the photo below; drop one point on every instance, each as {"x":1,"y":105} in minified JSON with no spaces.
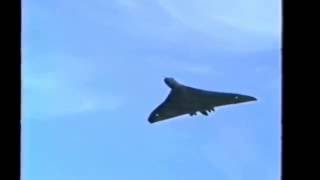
{"x":93,"y":71}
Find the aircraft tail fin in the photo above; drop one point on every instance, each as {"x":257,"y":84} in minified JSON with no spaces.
{"x":171,"y":82}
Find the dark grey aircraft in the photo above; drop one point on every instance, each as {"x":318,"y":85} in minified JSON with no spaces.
{"x":188,"y":100}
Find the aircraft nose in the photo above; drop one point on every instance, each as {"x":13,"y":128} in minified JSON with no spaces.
{"x":244,"y":98}
{"x":151,"y":119}
{"x":248,"y":98}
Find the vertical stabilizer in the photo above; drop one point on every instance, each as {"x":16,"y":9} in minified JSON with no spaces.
{"x":171,"y":82}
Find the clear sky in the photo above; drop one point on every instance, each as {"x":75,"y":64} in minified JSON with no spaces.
{"x":93,"y":71}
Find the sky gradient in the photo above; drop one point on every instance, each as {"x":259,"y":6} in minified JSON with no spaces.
{"x":93,"y":71}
